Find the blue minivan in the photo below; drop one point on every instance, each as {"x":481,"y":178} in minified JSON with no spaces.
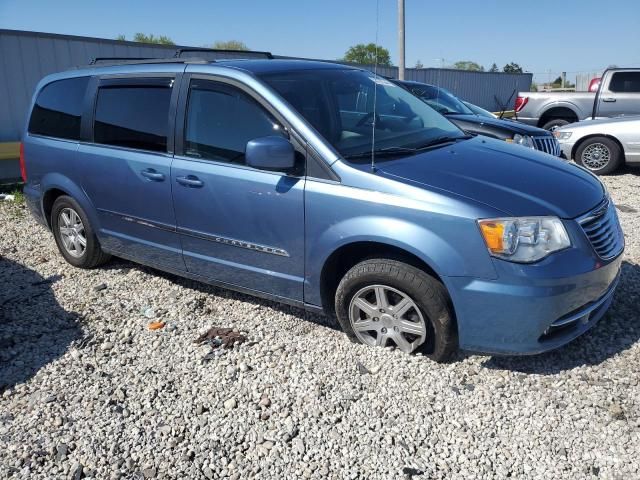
{"x":325,"y":187}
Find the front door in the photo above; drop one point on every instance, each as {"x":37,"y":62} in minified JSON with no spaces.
{"x":621,"y":96}
{"x":238,"y":225}
{"x":127,"y":169}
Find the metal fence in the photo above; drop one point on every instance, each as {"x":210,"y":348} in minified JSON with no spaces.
{"x":26,"y":57}
{"x":583,"y":80}
{"x":491,"y":91}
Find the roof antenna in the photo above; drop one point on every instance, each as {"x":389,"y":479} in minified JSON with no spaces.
{"x":375,"y":93}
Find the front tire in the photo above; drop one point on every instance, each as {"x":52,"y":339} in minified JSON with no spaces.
{"x":74,"y":234}
{"x":555,"y":123}
{"x":600,"y":155}
{"x":382,"y":302}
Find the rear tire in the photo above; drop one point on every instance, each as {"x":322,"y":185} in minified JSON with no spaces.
{"x":599,"y":155}
{"x":414,"y":316}
{"x":555,"y":123}
{"x":74,"y":235}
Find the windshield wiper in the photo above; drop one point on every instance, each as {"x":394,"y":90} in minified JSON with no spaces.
{"x":383,"y":152}
{"x":394,"y":151}
{"x":442,"y":140}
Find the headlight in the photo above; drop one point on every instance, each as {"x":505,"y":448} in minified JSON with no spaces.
{"x":524,"y":140}
{"x":561,"y":135}
{"x":524,"y":239}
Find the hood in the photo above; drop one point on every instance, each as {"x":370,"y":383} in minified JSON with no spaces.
{"x":516,"y":180}
{"x":588,"y":122}
{"x":507,"y":125}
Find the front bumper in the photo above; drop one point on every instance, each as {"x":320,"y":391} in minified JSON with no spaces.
{"x":566,"y":149}
{"x":533,"y":308}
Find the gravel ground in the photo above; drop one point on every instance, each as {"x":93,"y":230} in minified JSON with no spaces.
{"x":88,"y":391}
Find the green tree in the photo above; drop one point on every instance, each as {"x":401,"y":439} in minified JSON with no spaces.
{"x":230,"y":45}
{"x":468,"y":65}
{"x":419,"y":64}
{"x":512,"y":68}
{"x":494,"y":68}
{"x":151,"y":38}
{"x":366,"y":55}
{"x":534,"y":87}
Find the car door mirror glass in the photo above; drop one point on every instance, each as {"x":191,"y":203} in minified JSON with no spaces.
{"x":270,"y":153}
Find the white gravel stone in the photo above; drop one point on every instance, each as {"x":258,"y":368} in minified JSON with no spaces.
{"x":88,"y":390}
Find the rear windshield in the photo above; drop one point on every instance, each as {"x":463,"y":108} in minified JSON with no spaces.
{"x":58,"y":109}
{"x":339,"y":104}
{"x":442,"y":100}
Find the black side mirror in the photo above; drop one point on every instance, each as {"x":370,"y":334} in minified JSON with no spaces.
{"x":270,"y":153}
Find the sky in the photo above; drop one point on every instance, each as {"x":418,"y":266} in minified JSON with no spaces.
{"x":544,"y":36}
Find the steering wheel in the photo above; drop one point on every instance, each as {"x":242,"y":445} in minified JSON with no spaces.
{"x":369,"y":116}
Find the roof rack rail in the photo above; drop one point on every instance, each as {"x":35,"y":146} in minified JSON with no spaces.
{"x":143,"y":60}
{"x":241,"y":53}
{"x":115,"y":59}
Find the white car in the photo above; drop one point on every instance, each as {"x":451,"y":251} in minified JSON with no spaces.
{"x":602,"y":146}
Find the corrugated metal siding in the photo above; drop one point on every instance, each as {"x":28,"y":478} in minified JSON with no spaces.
{"x":26,"y":57}
{"x":490,"y":91}
{"x":583,"y":80}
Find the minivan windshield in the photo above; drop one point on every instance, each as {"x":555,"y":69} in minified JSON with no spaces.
{"x":339,"y":104}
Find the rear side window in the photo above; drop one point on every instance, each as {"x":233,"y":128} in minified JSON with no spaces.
{"x":133,"y":116}
{"x":221,"y":119}
{"x":625,"y":82}
{"x":58,"y":109}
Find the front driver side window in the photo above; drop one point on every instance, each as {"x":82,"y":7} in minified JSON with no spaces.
{"x":221,"y":119}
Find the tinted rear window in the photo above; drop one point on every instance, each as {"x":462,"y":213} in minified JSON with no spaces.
{"x":625,"y":82}
{"x":58,"y":109}
{"x":133,"y":117}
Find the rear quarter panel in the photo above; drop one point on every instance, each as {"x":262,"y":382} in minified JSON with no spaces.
{"x":54,"y":164}
{"x":581,"y":103}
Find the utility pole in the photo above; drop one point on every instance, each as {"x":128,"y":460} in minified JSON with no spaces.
{"x":401,"y":39}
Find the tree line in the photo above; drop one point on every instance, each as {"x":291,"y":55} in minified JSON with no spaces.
{"x":164,"y":40}
{"x":367,"y":54}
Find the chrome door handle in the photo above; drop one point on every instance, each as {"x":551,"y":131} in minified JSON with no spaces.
{"x":151,"y":174}
{"x":608,"y":99}
{"x":190,"y":181}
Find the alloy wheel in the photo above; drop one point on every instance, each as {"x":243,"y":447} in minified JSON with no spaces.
{"x":596,"y":156}
{"x":72,"y":233}
{"x":381,"y":315}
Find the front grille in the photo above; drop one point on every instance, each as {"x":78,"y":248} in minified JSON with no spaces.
{"x":547,"y":144}
{"x":603,"y":230}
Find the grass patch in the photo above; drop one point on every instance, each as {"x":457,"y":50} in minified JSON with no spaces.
{"x":14,"y":189}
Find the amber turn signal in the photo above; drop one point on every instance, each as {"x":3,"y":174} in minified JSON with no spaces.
{"x":493,"y":234}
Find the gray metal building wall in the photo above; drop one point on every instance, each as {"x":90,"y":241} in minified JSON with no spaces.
{"x":479,"y":88}
{"x":26,"y":57}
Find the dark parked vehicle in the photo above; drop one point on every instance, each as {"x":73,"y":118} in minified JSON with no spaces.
{"x":465,"y":118}
{"x":325,"y":187}
{"x":479,"y":111}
